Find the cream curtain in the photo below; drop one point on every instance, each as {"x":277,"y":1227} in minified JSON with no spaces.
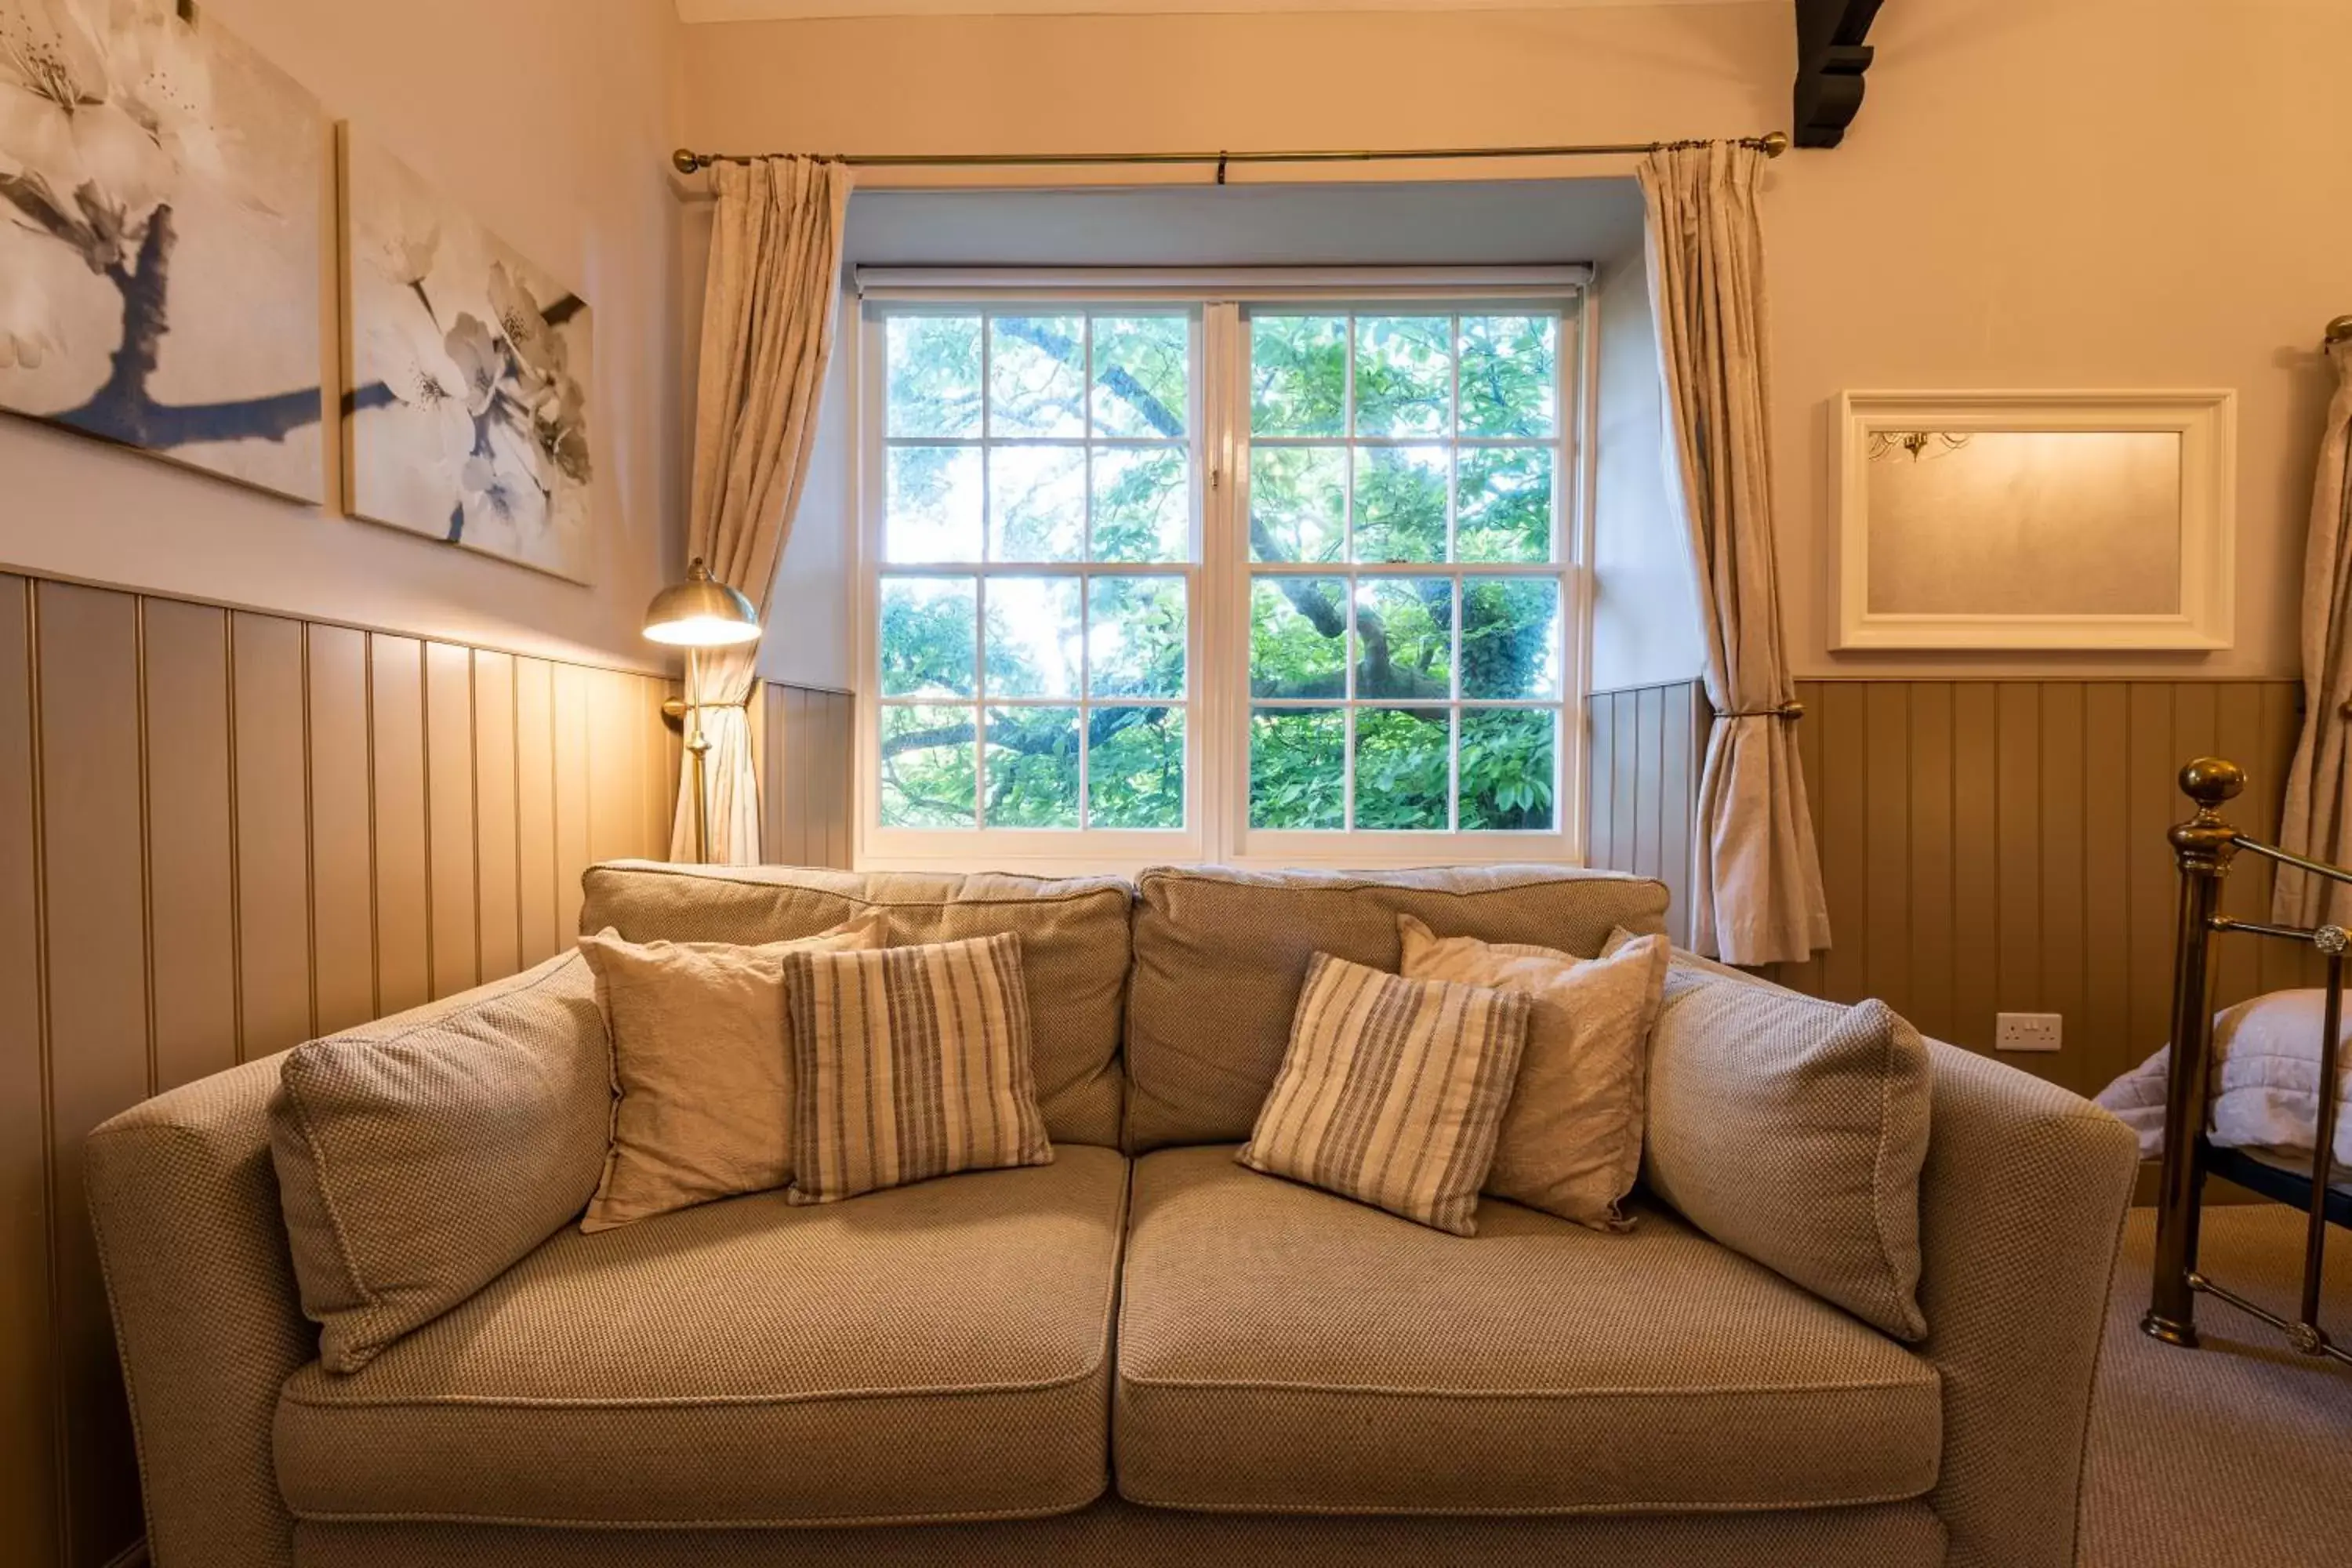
{"x":768,"y":313}
{"x":1756,"y":877}
{"x":2318,"y":818}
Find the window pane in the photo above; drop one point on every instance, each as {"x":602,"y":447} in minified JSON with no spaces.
{"x":927,"y":635}
{"x":1507,"y":768}
{"x":1033,"y":767}
{"x":927,"y":767}
{"x":1298,"y":503}
{"x":1143,"y":504}
{"x":1504,"y":509}
{"x":1036,"y":503}
{"x":1036,"y":375}
{"x":1510,"y":638}
{"x":1401,"y":503}
{"x":933,"y":505}
{"x":1033,"y":636}
{"x":1404,"y":638}
{"x":1509,"y":368}
{"x":1298,"y":768}
{"x":934,"y":375}
{"x":1143,"y":368}
{"x":1135,"y":772}
{"x":1401,"y":768}
{"x":1298,"y":375}
{"x":1404,"y":375}
{"x":1135,"y":637}
{"x":1298,"y":637}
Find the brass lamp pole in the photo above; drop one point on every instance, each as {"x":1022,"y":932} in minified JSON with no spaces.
{"x":697,"y":613}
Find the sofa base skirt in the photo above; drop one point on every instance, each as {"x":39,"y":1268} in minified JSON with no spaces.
{"x":1890,"y":1535}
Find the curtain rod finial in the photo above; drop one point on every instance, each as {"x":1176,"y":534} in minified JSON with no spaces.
{"x":1775,"y":144}
{"x":686,"y":163}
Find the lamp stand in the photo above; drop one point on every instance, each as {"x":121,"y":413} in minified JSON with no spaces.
{"x":697,"y":746}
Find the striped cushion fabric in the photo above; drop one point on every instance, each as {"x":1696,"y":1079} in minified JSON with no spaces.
{"x":912,"y":1062}
{"x":1392,"y":1091}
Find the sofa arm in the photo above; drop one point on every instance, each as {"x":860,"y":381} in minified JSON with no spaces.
{"x":2021,"y":1214}
{"x":206,"y":1316}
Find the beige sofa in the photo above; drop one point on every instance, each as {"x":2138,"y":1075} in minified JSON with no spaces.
{"x":1140,"y":1353}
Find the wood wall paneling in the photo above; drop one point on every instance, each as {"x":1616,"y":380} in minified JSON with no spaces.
{"x":30,"y":1482}
{"x":660,"y":778}
{"x":190,"y":840}
{"x":403,"y":895}
{"x":807,"y":787}
{"x":1644,"y":750}
{"x":1986,"y":846}
{"x":496,"y":873}
{"x":222,"y":832}
{"x":93,"y":848}
{"x":451,"y":849}
{"x":343,"y":842}
{"x":273,"y":849}
{"x":616,"y":768}
{"x":535,"y":861}
{"x":1994,"y":847}
{"x":571,"y":796}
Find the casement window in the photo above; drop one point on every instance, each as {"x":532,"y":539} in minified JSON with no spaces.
{"x":1157,"y":570}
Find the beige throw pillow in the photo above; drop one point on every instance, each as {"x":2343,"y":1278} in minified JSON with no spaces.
{"x":420,"y":1157}
{"x":1392,"y":1091}
{"x":1793,"y":1131}
{"x":702,"y":1068}
{"x":1571,"y":1138}
{"x":913,"y":1063}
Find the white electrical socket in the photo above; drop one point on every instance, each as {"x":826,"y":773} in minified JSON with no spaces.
{"x":2026,"y":1031}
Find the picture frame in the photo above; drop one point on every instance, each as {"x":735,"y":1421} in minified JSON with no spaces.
{"x":2045,"y":520}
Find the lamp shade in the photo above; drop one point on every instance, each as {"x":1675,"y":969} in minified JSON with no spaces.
{"x":701,"y":613}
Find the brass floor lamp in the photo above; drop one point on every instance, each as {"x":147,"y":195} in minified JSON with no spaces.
{"x":697,"y":613}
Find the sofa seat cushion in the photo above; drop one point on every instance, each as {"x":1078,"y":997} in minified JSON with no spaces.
{"x":1284,"y":1350}
{"x":937,"y":1351}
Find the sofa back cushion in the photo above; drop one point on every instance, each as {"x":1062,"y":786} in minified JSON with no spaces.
{"x":1221,"y":955}
{"x":1072,"y":932}
{"x":1793,"y":1131}
{"x":421,"y":1157}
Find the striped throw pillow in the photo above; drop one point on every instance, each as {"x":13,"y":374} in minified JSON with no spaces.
{"x":1392,"y":1091}
{"x":911,"y":1062}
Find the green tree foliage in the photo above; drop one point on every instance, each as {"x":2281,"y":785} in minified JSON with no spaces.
{"x":1387,"y":639}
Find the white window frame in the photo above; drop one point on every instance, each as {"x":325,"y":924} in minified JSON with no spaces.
{"x":1218,"y":576}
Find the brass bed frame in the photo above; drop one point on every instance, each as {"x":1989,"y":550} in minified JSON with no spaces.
{"x":2205,"y":846}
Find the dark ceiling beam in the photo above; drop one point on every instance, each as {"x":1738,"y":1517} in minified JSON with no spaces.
{"x":1831,"y":55}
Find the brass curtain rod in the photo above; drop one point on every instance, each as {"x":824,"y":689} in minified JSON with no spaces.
{"x":689,"y":163}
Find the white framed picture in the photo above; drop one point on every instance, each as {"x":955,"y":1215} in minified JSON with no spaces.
{"x":2036,"y":519}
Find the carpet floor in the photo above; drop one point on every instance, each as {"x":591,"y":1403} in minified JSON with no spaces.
{"x":2237,"y":1453}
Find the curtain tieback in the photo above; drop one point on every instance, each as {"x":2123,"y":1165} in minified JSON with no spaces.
{"x":1792,"y":711}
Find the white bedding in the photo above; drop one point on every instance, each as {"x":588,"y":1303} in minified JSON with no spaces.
{"x":2265,"y":1083}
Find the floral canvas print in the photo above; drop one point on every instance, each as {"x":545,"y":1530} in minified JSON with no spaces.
{"x":162,"y":193}
{"x":470,"y":368}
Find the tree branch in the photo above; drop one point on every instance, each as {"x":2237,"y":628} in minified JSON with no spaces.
{"x":121,"y":410}
{"x":1116,"y":378}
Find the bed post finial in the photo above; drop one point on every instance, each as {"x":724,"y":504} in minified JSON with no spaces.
{"x":2210,"y":781}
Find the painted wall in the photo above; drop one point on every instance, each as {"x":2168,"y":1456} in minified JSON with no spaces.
{"x":551,"y":119}
{"x":1645,"y":624}
{"x":2039,"y":193}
